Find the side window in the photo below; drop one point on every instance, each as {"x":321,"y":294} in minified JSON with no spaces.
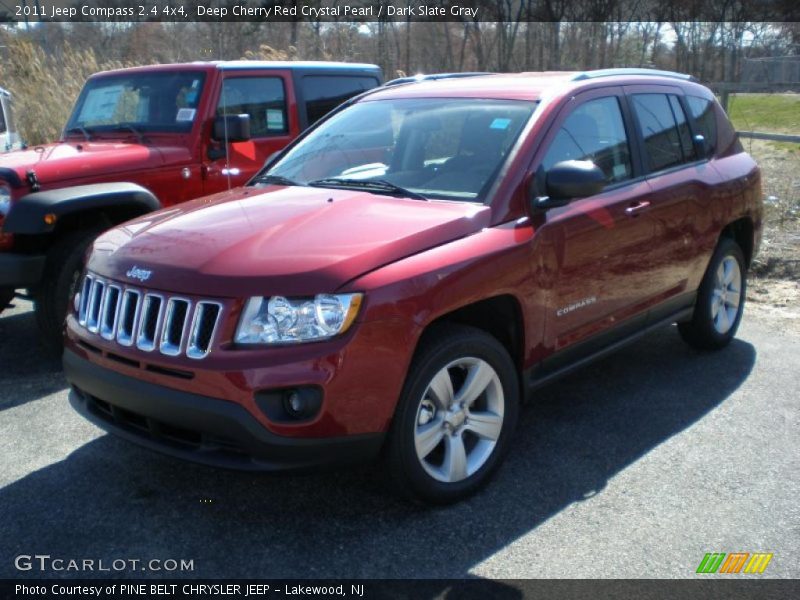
{"x":594,"y":131}
{"x":684,"y":132}
{"x":662,"y":137}
{"x":323,"y":93}
{"x":263,"y":98}
{"x":2,"y":117}
{"x":705,"y":119}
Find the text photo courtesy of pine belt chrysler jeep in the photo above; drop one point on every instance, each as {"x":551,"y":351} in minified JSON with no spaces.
{"x":161,"y":131}
{"x":409,"y":269}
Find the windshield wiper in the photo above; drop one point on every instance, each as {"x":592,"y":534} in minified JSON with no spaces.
{"x":374,"y":185}
{"x":276,"y":179}
{"x":131,"y":128}
{"x":83,"y":130}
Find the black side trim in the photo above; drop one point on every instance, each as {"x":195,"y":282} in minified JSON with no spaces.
{"x":20,"y":270}
{"x":572,"y":359}
{"x":198,"y":428}
{"x":27,"y":214}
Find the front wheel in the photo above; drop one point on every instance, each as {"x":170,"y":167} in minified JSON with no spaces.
{"x":720,"y":300}
{"x":65,"y":261}
{"x":456,"y":416}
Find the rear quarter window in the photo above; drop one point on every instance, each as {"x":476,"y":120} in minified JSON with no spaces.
{"x":705,"y":119}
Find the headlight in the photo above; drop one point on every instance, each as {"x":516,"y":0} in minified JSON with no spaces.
{"x":280,"y":320}
{"x":5,"y":200}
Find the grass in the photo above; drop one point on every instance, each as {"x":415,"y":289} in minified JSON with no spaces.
{"x":771,"y":113}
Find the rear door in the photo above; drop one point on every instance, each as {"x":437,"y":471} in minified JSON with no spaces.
{"x":268,"y":97}
{"x":678,"y":179}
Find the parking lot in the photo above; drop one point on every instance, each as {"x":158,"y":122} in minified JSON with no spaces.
{"x":634,"y":467}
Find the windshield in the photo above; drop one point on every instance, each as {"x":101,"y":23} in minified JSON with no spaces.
{"x":147,"y":102}
{"x":447,"y":148}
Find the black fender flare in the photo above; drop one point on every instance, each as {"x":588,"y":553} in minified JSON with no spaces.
{"x":27,"y":215}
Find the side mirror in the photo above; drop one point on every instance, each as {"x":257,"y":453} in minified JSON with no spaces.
{"x":700,"y":146}
{"x":568,"y":180}
{"x":233,"y":128}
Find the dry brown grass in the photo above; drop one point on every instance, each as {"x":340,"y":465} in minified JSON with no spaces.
{"x":45,"y":87}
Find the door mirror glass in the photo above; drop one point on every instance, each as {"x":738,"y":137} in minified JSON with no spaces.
{"x":233,"y":128}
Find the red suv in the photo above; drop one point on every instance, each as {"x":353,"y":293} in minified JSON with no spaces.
{"x":411,"y":268}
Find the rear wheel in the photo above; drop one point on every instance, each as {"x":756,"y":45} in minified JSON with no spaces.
{"x":456,"y":416}
{"x":65,"y":262}
{"x":6,"y":296}
{"x":720,"y":300}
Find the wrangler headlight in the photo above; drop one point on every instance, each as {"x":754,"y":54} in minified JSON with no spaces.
{"x":5,"y":200}
{"x":279,"y":320}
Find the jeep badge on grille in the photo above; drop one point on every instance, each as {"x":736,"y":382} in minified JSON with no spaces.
{"x":140,"y":274}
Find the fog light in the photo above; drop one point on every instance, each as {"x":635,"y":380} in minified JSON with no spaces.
{"x":290,"y":405}
{"x":295,"y":405}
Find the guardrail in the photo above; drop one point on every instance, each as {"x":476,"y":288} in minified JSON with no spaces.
{"x":772,"y":137}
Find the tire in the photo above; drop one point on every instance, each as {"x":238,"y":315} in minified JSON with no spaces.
{"x":438,"y":472}
{"x":65,"y":262}
{"x":720,"y":300}
{"x":6,"y":296}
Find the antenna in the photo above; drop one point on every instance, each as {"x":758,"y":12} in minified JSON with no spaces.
{"x":227,"y":170}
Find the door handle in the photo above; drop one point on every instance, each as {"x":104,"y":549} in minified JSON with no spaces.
{"x":635,"y":209}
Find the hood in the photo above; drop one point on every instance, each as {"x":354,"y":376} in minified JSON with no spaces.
{"x":56,"y":163}
{"x":277,"y":240}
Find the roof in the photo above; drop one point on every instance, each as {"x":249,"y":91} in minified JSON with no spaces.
{"x":250,"y":64}
{"x":529,"y":85}
{"x":523,"y":86}
{"x":4,"y":92}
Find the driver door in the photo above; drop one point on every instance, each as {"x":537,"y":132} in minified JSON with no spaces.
{"x":269,"y":100}
{"x":597,"y":250}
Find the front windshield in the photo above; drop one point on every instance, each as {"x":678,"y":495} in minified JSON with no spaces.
{"x":139,"y":102}
{"x":447,"y":148}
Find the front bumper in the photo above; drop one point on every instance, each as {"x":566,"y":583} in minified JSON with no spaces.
{"x":20,"y":270}
{"x":199,"y":428}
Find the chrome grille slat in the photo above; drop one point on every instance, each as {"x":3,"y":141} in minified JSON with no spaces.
{"x":150,"y":321}
{"x":204,"y":325}
{"x":174,"y":330}
{"x":95,"y":305}
{"x":108,"y":318}
{"x":129,"y":319}
{"x":172,"y":325}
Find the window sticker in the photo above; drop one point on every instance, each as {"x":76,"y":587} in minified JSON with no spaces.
{"x":100,"y":104}
{"x":185,"y":114}
{"x":275,"y":119}
{"x":499,"y":123}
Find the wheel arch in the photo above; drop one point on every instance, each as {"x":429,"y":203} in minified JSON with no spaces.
{"x":500,"y":316}
{"x":742,"y":231}
{"x":66,"y":209}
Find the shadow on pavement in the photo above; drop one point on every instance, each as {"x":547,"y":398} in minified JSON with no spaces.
{"x":26,"y":373}
{"x":110,"y":499}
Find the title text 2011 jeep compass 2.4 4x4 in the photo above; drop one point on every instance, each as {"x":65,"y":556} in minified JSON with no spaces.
{"x":406,"y":271}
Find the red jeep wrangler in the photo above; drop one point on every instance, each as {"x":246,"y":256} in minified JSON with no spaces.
{"x":411,"y":268}
{"x":163,"y":128}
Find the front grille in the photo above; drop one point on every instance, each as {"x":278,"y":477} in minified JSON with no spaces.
{"x":147,"y":320}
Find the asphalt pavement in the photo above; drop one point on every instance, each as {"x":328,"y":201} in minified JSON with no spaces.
{"x":633,"y":467}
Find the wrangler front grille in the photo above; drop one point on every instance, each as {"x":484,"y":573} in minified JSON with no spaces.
{"x":150,"y":321}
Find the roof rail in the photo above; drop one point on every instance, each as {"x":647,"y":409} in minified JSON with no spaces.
{"x":433,"y":77}
{"x":631,"y":71}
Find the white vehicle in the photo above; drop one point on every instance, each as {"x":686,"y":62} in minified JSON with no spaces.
{"x":9,"y":138}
